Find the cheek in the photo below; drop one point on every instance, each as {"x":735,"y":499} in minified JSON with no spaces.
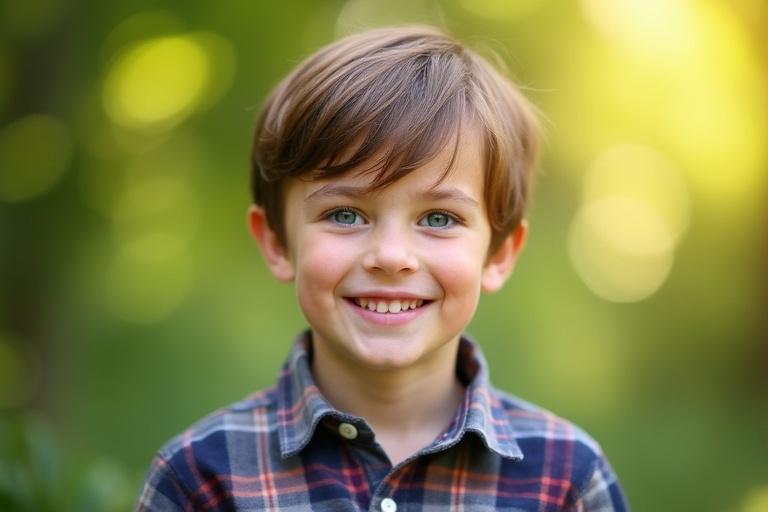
{"x":320,"y":268}
{"x":458,"y":271}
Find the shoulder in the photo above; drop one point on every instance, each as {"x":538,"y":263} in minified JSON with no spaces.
{"x":530,"y":421}
{"x":254,"y":415}
{"x":209,"y":451}
{"x":555,"y":446}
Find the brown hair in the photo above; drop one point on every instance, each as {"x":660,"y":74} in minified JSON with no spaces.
{"x":390,"y":99}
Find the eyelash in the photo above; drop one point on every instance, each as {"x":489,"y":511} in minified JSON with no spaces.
{"x":328,"y":215}
{"x":344,"y":209}
{"x":454,"y":219}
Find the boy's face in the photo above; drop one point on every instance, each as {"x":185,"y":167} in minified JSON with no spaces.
{"x":390,"y":279}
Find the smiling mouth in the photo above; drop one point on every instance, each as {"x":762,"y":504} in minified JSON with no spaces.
{"x":393,"y":306}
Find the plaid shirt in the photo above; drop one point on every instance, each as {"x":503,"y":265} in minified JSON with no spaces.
{"x":288,"y":449}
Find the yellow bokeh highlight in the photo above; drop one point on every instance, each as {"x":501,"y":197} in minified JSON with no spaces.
{"x":686,"y":74}
{"x":658,"y":29}
{"x":35,"y":152}
{"x":719,"y":116}
{"x":499,"y":10}
{"x":141,"y":26}
{"x":157,"y":83}
{"x":636,"y":208}
{"x":757,"y":500}
{"x":645,"y":175}
{"x":621,"y":248}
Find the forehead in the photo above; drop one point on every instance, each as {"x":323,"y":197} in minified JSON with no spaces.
{"x":458,"y":164}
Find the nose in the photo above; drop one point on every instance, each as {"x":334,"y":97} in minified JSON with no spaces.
{"x":391,"y":251}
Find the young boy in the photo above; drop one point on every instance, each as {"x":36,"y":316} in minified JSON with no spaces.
{"x":390,"y":176}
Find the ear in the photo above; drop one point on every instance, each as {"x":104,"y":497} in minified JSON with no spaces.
{"x":499,"y":265}
{"x":275,"y":254}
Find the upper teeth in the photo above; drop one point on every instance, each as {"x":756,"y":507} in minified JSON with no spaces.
{"x":389,"y":306}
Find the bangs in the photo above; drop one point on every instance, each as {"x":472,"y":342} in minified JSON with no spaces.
{"x":384,"y":115}
{"x":387,"y":140}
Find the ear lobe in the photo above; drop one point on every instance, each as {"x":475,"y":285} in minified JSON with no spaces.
{"x":275,"y":255}
{"x":500,"y":264}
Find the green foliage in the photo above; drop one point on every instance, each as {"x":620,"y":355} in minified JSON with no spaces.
{"x":37,"y":475}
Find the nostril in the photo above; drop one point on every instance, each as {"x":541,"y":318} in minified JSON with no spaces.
{"x":391,"y":258}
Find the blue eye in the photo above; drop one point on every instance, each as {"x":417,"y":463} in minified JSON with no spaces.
{"x":437,"y":220}
{"x":346,"y":217}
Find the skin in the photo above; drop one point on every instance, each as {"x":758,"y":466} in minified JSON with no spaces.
{"x":419,"y":238}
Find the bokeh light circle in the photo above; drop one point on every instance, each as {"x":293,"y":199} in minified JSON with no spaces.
{"x":644,"y":174}
{"x":621,"y":248}
{"x":635,"y":210}
{"x":157,"y":83}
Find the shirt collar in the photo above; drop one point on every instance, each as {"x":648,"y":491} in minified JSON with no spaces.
{"x":482,"y":411}
{"x":301,"y":406}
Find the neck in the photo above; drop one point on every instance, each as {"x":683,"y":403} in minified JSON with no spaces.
{"x":406,"y":407}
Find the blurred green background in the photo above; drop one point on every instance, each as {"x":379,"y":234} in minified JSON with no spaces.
{"x":132,"y":301}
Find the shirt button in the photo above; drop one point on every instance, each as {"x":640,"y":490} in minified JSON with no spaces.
{"x":348,"y":431}
{"x":388,"y":505}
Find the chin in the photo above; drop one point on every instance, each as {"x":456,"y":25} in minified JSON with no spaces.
{"x":388,"y":354}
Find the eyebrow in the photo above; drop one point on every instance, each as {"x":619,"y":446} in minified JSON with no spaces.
{"x":434,"y":194}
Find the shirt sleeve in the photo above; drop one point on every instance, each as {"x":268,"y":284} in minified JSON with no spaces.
{"x":602,"y":492}
{"x":162,"y":490}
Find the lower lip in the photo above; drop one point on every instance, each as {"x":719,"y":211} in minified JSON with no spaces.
{"x":388,"y":319}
